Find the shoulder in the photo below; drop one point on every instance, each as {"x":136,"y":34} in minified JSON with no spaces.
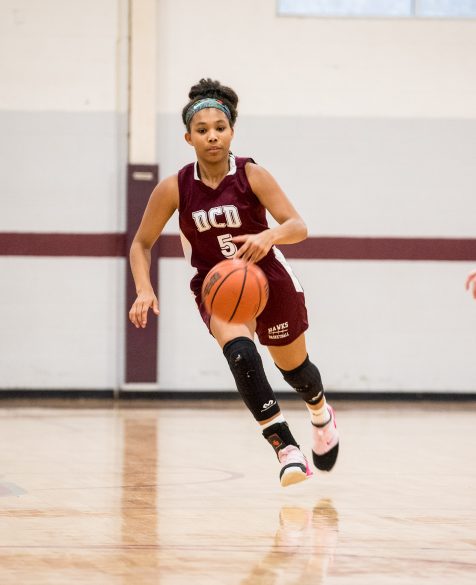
{"x":167,"y":189}
{"x":258,"y":177}
{"x":169,"y":183}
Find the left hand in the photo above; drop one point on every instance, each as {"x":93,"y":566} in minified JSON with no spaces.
{"x":255,"y":246}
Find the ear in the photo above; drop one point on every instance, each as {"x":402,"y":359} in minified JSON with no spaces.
{"x":188,"y":138}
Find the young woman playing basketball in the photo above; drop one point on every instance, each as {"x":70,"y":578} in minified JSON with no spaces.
{"x":222,"y":202}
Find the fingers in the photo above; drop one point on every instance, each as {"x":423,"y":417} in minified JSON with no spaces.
{"x":139,"y":311}
{"x":248,"y":254}
{"x":143,"y":314}
{"x":252,"y":250}
{"x":138,"y":314}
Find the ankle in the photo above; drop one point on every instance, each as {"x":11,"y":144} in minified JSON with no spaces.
{"x":279,"y":418}
{"x":279,"y":436}
{"x":319,"y":416}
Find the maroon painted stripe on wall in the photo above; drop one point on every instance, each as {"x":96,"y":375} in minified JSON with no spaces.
{"x":40,"y":244}
{"x":359,"y":248}
{"x":141,"y":344}
{"x":314,"y":248}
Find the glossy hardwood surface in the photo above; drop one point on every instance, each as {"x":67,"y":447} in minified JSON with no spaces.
{"x":175,"y":493}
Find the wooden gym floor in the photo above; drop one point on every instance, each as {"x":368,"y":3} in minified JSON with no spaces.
{"x":177,"y":493}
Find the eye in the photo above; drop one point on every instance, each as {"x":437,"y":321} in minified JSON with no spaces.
{"x":201,"y":130}
{"x":221,"y":128}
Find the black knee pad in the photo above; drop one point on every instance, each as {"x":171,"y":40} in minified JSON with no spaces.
{"x":306,"y":380}
{"x":247,"y":369}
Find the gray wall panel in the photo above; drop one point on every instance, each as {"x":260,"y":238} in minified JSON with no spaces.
{"x":62,"y":171}
{"x":359,"y":176}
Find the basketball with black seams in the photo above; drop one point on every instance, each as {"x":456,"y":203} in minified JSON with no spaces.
{"x":235,"y":291}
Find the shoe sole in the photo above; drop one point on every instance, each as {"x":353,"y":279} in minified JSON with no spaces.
{"x":326,"y":461}
{"x":292,"y":476}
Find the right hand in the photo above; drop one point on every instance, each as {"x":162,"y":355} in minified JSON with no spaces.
{"x":471,"y":281}
{"x":145,"y":300}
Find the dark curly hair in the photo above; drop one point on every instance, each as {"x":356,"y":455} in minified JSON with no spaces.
{"x":208,"y":88}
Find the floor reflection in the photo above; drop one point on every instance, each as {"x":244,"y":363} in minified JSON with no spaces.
{"x":139,"y":497}
{"x":303,"y":547}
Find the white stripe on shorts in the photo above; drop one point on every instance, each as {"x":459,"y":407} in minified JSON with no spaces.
{"x":280,"y":257}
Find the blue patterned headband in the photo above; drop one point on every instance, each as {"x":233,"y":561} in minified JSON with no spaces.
{"x":206,"y":103}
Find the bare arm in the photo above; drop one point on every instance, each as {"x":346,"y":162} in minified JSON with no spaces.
{"x":291,"y":228}
{"x":162,"y":204}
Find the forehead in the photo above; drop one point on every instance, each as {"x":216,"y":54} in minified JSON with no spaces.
{"x":209,"y":116}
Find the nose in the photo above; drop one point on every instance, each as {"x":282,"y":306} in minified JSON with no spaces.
{"x":212,"y":137}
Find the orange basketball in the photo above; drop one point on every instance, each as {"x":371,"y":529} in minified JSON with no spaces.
{"x":235,"y":291}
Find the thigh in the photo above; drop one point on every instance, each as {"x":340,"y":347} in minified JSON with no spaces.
{"x":284,"y":318}
{"x":224,"y":332}
{"x":288,"y":357}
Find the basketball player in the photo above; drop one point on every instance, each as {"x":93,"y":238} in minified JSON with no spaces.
{"x":222,"y":202}
{"x":471,"y":282}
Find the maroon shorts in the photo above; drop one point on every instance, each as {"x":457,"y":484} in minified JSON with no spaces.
{"x":284,"y":318}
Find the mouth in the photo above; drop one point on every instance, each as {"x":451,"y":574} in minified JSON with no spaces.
{"x":214,"y":149}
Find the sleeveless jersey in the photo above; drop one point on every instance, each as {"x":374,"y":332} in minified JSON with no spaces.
{"x":209,"y":218}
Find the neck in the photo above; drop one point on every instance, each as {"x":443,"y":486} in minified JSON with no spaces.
{"x":213,"y":173}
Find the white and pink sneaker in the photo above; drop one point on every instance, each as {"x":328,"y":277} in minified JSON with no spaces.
{"x":294,"y":466}
{"x":325,"y":443}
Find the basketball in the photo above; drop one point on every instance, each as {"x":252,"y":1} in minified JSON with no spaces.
{"x":235,"y":291}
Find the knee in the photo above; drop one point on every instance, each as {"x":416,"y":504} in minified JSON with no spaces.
{"x":251,"y":382}
{"x":242,"y":356}
{"x":306,"y":380}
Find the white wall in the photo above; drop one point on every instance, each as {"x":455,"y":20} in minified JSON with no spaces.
{"x":318,"y":67}
{"x":375,"y":326}
{"x":61,"y":323}
{"x":62,"y":111}
{"x":63,"y":153}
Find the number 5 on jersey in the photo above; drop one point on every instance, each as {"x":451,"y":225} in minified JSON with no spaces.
{"x":228,"y":248}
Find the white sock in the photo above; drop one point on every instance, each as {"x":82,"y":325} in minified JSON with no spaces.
{"x":277,"y":419}
{"x":319,"y":416}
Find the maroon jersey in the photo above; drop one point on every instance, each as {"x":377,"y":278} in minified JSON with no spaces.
{"x":210,"y":218}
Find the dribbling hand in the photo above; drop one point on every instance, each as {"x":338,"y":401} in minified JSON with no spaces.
{"x":142,"y":304}
{"x":255,"y":246}
{"x":471,"y":282}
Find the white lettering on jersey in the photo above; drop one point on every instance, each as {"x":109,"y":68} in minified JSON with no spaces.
{"x":201,"y":221}
{"x":232,"y":216}
{"x":206,"y":220}
{"x":214,"y":211}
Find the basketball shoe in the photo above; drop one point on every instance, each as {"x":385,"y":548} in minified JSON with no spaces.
{"x":325,"y":443}
{"x":294,"y":466}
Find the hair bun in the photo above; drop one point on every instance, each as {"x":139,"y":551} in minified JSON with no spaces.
{"x":209,"y":88}
{"x":213,"y":89}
